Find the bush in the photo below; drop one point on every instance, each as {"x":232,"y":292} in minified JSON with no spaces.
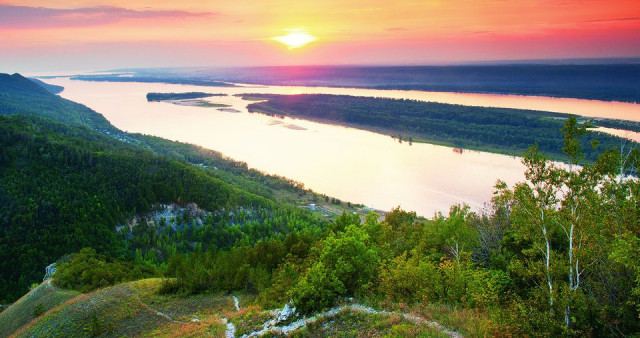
{"x":318,"y":289}
{"x":38,"y":310}
{"x":87,"y":271}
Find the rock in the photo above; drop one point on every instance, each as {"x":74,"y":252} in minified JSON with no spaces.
{"x":49,"y":271}
{"x":288,"y":311}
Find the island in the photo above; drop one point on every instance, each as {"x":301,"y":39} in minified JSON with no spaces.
{"x":179,"y":96}
{"x":193,"y":99}
{"x":499,"y":130}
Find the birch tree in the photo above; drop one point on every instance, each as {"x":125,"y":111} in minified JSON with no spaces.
{"x":536,"y":205}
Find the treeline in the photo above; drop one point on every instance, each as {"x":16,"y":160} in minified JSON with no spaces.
{"x":222,"y":167}
{"x":153,"y":242}
{"x":179,"y":96}
{"x":609,"y":82}
{"x":510,"y":131}
{"x":550,"y":257}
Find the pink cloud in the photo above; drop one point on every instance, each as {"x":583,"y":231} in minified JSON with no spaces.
{"x":24,"y":17}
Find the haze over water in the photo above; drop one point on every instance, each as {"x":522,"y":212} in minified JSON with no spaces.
{"x":350,"y":164}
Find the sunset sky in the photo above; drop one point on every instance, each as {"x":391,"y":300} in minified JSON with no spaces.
{"x":103,"y":34}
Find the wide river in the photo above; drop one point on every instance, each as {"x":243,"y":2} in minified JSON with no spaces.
{"x":350,"y":164}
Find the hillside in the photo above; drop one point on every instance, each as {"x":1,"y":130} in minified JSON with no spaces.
{"x":19,"y":95}
{"x":137,"y":308}
{"x":65,"y":187}
{"x":130,"y":309}
{"x":53,"y":89}
{"x":550,"y":256}
{"x":36,"y":302}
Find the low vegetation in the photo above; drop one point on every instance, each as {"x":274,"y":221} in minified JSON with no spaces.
{"x":86,"y":271}
{"x":130,"y":309}
{"x":32,"y":305}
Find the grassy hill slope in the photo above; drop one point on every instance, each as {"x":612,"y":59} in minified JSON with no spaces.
{"x":39,"y":300}
{"x":137,"y":309}
{"x":129,"y":309}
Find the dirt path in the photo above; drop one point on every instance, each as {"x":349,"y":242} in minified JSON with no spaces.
{"x":231,"y":329}
{"x":158,"y":313}
{"x":273,"y":327}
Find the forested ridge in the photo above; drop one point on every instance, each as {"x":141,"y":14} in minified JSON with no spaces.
{"x":509,"y":131}
{"x":65,"y":187}
{"x":551,"y":256}
{"x":19,"y":95}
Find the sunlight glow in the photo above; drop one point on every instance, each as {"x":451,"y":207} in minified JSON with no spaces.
{"x":296,"y":38}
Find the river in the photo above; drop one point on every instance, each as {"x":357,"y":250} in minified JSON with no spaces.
{"x":350,"y":164}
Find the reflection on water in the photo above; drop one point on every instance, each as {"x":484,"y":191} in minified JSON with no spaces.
{"x":631,"y":135}
{"x":350,"y":164}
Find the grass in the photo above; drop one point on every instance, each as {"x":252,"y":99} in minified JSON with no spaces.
{"x":207,"y":104}
{"x":358,"y":324}
{"x":467,"y":322}
{"x":249,"y":319}
{"x":136,"y":308}
{"x":132,"y":309}
{"x":347,"y":323}
{"x":38,"y":301}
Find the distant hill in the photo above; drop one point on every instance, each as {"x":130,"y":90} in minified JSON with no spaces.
{"x":601,"y":79}
{"x":153,"y":79}
{"x":53,"y":89}
{"x":20,"y":95}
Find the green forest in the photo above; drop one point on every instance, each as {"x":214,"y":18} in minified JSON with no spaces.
{"x":65,"y":187}
{"x":502,"y":130}
{"x":557,"y":254}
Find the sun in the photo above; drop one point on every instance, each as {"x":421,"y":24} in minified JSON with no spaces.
{"x":296,"y":38}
